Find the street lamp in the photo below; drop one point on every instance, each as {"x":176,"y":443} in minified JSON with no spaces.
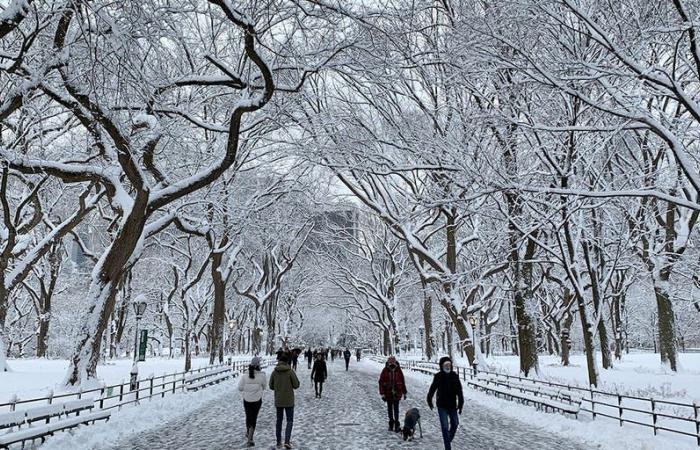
{"x":472,"y":321}
{"x":139,"y":309}
{"x":231,"y":327}
{"x":421,"y":330}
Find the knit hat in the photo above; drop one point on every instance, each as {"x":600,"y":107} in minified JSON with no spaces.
{"x":445,"y":359}
{"x":255,"y":361}
{"x":283,"y":357}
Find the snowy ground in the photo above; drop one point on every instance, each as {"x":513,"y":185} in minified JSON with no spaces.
{"x":350,"y":416}
{"x":33,"y":378}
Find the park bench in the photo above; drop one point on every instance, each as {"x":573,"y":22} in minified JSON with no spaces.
{"x":41,"y":421}
{"x":542,"y":397}
{"x":199,"y":380}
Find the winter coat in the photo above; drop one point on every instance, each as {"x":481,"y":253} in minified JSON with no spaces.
{"x":319,"y":373}
{"x":449,"y":391}
{"x":347,"y":354}
{"x":392,"y":385}
{"x":253,"y":388}
{"x":283,"y":381}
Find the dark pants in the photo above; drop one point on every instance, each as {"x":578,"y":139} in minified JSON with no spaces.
{"x":289,"y":412}
{"x":308,"y":361}
{"x":294,"y":364}
{"x":251,"y":413}
{"x":448,"y":430}
{"x":318,"y":387}
{"x":347,"y":363}
{"x":392,"y":407}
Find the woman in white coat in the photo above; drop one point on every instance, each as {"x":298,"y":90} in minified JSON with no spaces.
{"x":252,"y":386}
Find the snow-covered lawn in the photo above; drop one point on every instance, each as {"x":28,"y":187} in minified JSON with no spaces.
{"x":34,"y":378}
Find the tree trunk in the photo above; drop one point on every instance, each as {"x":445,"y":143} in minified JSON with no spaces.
{"x":666,"y":324}
{"x":102,"y":293}
{"x":218,"y":316}
{"x":428,"y":326}
{"x":588,"y":344}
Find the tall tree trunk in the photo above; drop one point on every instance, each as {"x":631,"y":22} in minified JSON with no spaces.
{"x":102,"y":293}
{"x":666,"y":324}
{"x":219,"y":314}
{"x":428,"y":326}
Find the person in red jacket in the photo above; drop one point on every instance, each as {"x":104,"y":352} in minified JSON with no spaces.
{"x":392,"y":387}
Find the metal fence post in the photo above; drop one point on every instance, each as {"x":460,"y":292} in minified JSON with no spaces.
{"x":653,"y":414}
{"x":150,"y":395}
{"x":592,"y":403}
{"x":619,"y":407}
{"x":697,"y":422}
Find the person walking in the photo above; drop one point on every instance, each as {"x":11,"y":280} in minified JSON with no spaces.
{"x":319,"y":374}
{"x":309,"y":357}
{"x":295,"y":359}
{"x":450,"y":400}
{"x":346,"y":355}
{"x":392,"y":386}
{"x":283,"y":381}
{"x":358,"y":353}
{"x":252,"y":387}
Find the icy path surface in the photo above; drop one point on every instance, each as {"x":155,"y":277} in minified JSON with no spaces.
{"x":349,"y":416}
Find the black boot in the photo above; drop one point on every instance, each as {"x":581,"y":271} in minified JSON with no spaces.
{"x":397,"y":427}
{"x":391,"y":425}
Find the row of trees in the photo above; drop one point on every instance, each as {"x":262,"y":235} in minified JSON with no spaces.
{"x":524,"y":170}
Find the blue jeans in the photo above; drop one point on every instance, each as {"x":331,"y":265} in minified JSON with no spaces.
{"x":289,"y":412}
{"x":448,"y":430}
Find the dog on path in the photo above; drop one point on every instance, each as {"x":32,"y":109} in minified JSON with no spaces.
{"x":410,"y":421}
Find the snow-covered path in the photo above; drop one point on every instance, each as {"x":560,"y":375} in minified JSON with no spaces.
{"x":350,"y":416}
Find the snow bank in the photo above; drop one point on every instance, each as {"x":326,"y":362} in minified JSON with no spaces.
{"x":137,"y":419}
{"x":34,"y":378}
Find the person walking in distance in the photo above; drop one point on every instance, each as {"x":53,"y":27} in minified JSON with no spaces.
{"x":392,"y":387}
{"x":358,"y":353}
{"x":309,"y":356}
{"x":450,"y":400}
{"x":252,"y":387}
{"x":319,"y":374}
{"x":283,"y":381}
{"x":346,"y":355}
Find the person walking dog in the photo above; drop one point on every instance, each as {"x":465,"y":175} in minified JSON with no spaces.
{"x":283,"y":381}
{"x":450,"y":400}
{"x":252,"y":387}
{"x":392,"y":387}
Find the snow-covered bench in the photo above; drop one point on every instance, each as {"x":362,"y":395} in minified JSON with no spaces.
{"x":22,"y":426}
{"x":203,"y":379}
{"x":542,"y":397}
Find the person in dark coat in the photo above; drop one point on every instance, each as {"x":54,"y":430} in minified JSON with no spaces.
{"x":309,"y":357}
{"x":392,"y":386}
{"x":295,"y":358}
{"x":283,"y":381}
{"x":450,"y":400}
{"x":319,"y":374}
{"x":358,"y":353}
{"x":346,"y":355}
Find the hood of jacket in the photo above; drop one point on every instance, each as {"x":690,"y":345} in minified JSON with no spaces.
{"x":282,"y":367}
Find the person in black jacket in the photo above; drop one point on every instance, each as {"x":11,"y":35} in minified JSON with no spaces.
{"x":346,"y":355}
{"x":319,"y":374}
{"x":449,"y":400}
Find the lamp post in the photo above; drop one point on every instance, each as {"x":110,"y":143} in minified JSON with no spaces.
{"x":472,"y":321}
{"x":139,"y":309}
{"x":421,"y":330}
{"x":231,"y":327}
